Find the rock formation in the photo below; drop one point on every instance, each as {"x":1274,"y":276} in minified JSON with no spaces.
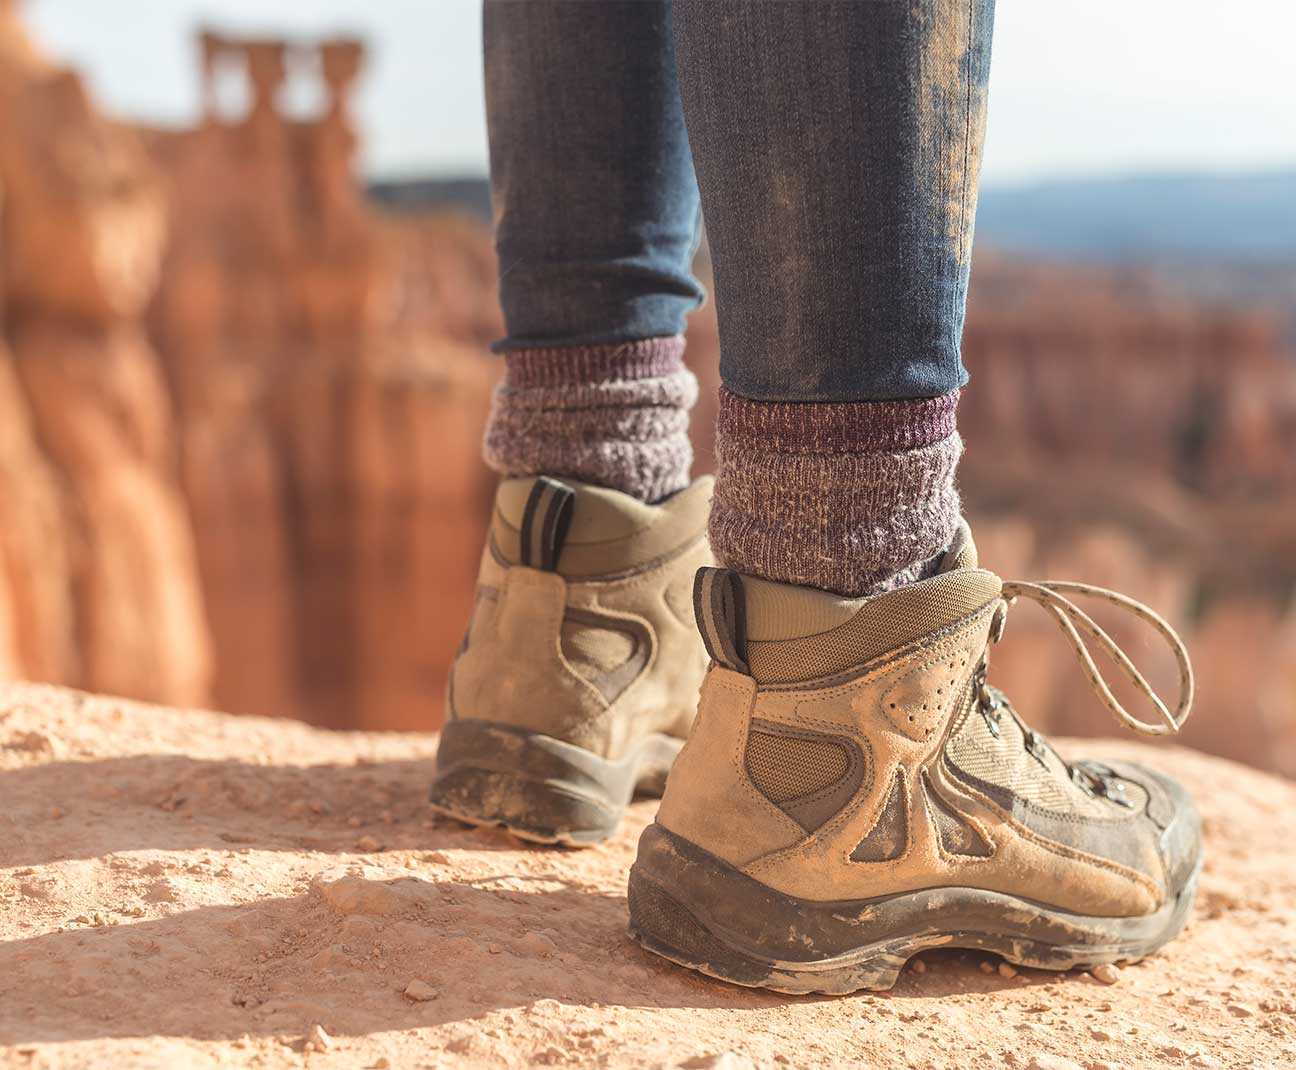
{"x":331,"y":386}
{"x":317,"y":401}
{"x":81,"y":232}
{"x":240,"y":411}
{"x":37,"y":612}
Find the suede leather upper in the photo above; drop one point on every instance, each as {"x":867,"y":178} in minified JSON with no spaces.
{"x":983,"y":805}
{"x":603,"y":650}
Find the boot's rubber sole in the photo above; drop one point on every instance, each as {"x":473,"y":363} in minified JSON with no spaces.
{"x":696,"y":910}
{"x":540,"y":788}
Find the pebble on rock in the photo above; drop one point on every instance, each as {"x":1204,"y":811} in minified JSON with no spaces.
{"x":420,"y":991}
{"x":1106,"y":973}
{"x":317,"y":1039}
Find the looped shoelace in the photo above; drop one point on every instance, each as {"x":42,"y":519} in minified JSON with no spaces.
{"x":1073,"y":621}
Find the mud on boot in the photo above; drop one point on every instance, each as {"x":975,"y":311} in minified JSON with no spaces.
{"x":578,"y":676}
{"x":854,"y":791}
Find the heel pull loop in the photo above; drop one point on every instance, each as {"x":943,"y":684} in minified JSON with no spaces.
{"x":545,"y":522}
{"x":719,"y":605}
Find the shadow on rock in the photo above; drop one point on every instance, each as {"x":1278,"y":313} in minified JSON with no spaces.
{"x":361,"y":951}
{"x":66,"y":810}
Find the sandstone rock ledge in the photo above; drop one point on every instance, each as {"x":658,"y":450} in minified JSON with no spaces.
{"x":182,"y":888}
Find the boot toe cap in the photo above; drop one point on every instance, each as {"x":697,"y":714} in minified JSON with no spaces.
{"x":1178,"y":823}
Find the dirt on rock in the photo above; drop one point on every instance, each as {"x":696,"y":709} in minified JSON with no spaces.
{"x":189,"y":889}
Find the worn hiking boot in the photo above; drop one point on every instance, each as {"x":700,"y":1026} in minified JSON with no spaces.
{"x":578,"y":677}
{"x":854,"y":791}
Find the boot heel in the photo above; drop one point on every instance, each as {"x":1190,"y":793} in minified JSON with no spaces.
{"x":666,"y":928}
{"x":539,"y":788}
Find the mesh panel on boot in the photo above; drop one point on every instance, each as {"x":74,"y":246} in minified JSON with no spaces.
{"x":595,"y":650}
{"x":883,"y":624}
{"x":607,"y":651}
{"x":785,"y":767}
{"x":1006,"y":763}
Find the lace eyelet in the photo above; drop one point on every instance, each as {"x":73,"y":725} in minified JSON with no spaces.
{"x":1114,"y":791}
{"x":1083,"y":781}
{"x":1036,"y":748}
{"x":1100,"y":782}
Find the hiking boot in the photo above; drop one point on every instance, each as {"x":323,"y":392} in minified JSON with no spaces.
{"x":854,"y":791}
{"x":578,"y":676}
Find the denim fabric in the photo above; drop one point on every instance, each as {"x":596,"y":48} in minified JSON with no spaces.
{"x":596,"y":207}
{"x":837,"y":144}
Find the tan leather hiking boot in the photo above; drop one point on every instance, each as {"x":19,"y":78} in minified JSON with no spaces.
{"x":853,"y":792}
{"x":578,"y":676}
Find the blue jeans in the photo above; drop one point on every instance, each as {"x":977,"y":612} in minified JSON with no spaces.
{"x":836,"y":145}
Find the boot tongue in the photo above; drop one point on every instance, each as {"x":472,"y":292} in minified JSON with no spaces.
{"x":962,"y":552}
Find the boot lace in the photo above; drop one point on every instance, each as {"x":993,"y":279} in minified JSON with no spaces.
{"x":1093,"y":777}
{"x":1078,"y":627}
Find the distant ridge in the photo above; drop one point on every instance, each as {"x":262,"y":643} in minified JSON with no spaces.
{"x":1244,"y":217}
{"x":1249,"y":217}
{"x":470,"y":194}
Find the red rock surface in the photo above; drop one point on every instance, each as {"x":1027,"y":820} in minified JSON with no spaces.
{"x":1124,"y":437}
{"x":242,"y":409}
{"x":185,"y":889}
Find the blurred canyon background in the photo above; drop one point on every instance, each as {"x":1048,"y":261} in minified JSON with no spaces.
{"x":242,"y":392}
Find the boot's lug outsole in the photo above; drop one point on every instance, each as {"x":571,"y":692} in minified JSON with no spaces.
{"x":539,"y":788}
{"x":690,"y":907}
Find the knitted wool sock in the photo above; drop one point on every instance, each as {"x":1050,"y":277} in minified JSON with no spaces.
{"x":615,"y":415}
{"x":854,"y":497}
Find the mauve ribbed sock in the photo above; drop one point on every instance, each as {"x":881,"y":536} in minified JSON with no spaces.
{"x":853,"y":497}
{"x":615,"y":415}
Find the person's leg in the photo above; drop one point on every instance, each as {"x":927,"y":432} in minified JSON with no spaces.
{"x":837,"y":146}
{"x":596,"y":214}
{"x":854,"y":790}
{"x":578,"y":676}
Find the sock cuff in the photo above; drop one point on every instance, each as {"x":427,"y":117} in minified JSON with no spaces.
{"x":614,"y":415}
{"x":563,"y":366}
{"x":850,"y":523}
{"x":837,"y":427}
{"x":852,"y":497}
{"x":676,"y":392}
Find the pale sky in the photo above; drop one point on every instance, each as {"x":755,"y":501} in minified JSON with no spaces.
{"x":1079,"y":87}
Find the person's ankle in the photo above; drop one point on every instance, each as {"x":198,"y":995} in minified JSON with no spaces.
{"x":850,"y":497}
